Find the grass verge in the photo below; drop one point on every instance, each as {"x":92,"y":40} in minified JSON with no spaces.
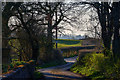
{"x":38,"y":75}
{"x":97,"y":67}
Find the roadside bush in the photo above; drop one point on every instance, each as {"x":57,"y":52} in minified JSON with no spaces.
{"x":21,"y":49}
{"x":54,"y":58}
{"x":97,"y":66}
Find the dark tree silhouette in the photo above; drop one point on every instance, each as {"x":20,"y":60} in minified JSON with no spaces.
{"x":108,"y":14}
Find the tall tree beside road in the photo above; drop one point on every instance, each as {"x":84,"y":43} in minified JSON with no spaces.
{"x":108,"y":13}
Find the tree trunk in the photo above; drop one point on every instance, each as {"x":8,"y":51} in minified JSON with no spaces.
{"x":49,"y":38}
{"x":6,"y":33}
{"x":105,"y":21}
{"x":116,"y":40}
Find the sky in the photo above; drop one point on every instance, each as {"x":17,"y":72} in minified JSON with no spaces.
{"x":83,"y":23}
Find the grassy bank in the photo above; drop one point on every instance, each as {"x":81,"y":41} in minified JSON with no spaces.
{"x":67,"y":43}
{"x":38,"y":75}
{"x":97,"y":67}
{"x":6,"y":68}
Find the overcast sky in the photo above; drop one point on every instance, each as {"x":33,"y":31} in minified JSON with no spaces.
{"x":83,"y":23}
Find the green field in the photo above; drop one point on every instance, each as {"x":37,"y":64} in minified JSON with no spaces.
{"x":67,"y":43}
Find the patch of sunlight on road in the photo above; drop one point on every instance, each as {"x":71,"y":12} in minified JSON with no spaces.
{"x":71,"y":60}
